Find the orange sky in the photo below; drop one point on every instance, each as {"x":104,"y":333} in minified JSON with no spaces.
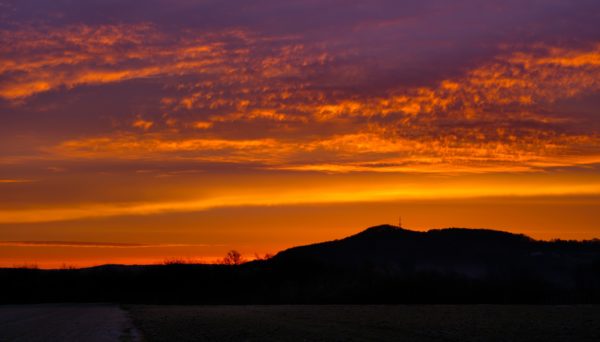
{"x":185,"y":129}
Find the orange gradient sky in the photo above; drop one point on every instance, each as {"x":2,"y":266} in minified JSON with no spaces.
{"x":137,"y":133}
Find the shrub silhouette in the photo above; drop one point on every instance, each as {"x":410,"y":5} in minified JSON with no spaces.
{"x":266,"y":257}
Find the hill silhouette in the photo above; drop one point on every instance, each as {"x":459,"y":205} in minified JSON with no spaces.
{"x":382,"y":264}
{"x":398,"y":249}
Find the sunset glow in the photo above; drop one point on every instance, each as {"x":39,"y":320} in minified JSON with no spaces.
{"x":135,"y":133}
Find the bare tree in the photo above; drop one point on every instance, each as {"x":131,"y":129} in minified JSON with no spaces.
{"x":233,"y":257}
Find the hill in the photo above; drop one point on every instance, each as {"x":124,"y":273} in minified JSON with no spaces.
{"x":383,"y":264}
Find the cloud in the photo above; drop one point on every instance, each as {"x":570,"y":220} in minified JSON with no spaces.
{"x":142,"y":124}
{"x":298,"y":194}
{"x":202,"y":124}
{"x":99,"y":89}
{"x":39,"y":59}
{"x":360,"y":152}
{"x":498,"y":115}
{"x":79,"y":244}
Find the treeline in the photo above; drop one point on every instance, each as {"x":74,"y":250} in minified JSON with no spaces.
{"x":382,"y":265}
{"x":265,"y":283}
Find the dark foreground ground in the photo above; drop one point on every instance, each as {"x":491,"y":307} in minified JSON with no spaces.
{"x":368,"y":323}
{"x":65,"y":323}
{"x":105,"y":322}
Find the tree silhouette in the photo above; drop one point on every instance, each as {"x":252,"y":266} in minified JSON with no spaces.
{"x":233,"y":257}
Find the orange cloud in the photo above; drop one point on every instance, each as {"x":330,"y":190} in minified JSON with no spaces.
{"x":331,"y":191}
{"x":367,"y":151}
{"x":79,"y":244}
{"x":143,"y":124}
{"x":202,"y":124}
{"x":43,"y":60}
{"x":490,"y":117}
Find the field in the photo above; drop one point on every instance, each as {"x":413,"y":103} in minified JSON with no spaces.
{"x":106,"y":322}
{"x":368,"y":323}
{"x":65,"y":323}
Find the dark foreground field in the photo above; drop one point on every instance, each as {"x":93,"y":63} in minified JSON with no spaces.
{"x":368,"y":323}
{"x":105,"y":322}
{"x":65,"y":323}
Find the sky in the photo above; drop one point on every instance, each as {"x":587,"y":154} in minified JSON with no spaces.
{"x":138,"y":132}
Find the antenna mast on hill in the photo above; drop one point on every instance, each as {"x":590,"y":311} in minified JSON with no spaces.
{"x":399,"y":221}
